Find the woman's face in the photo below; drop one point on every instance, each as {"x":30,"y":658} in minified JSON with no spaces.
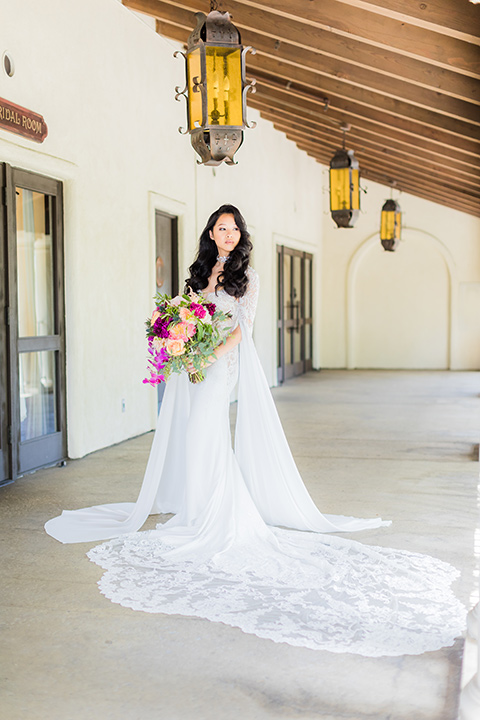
{"x":225,"y":234}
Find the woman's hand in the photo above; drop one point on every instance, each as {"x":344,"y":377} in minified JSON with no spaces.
{"x":232,"y":341}
{"x":191,"y":369}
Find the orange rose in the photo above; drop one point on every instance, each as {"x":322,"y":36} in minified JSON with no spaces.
{"x":155,"y":316}
{"x":178,"y":332}
{"x":175,"y":347}
{"x":186,"y":315}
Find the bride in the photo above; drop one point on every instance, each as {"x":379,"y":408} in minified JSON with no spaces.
{"x":226,"y":554}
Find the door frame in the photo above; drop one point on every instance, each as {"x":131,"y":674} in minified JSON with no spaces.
{"x":302,"y":323}
{"x":49,"y":449}
{"x":6,"y":474}
{"x":174,"y":247}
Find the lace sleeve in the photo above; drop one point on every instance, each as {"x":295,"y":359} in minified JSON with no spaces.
{"x":248,"y":303}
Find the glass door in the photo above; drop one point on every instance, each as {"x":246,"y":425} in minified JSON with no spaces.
{"x":294,"y":319}
{"x":5,"y":454}
{"x":36,"y":347}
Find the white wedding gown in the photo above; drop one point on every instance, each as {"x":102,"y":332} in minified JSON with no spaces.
{"x":219,"y":557}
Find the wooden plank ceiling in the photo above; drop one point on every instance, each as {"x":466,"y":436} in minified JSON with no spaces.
{"x":405,"y":75}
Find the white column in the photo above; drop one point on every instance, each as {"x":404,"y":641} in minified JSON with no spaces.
{"x":470,"y":696}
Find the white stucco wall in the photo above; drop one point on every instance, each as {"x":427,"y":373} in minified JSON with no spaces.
{"x":104,"y":81}
{"x":418,"y":307}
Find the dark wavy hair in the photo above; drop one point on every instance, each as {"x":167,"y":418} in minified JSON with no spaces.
{"x":233,"y":278}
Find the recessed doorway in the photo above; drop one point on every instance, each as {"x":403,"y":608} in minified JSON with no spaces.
{"x":294,"y":314}
{"x":166,"y":262}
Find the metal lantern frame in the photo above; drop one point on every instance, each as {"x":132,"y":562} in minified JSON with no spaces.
{"x":390,"y":225}
{"x":343,"y":159}
{"x":214,"y":142}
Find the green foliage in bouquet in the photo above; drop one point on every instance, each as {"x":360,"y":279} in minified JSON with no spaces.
{"x":182,"y":334}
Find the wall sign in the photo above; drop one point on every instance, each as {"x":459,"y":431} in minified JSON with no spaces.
{"x":24,"y":122}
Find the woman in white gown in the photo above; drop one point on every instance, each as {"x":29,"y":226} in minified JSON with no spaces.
{"x":223,"y":556}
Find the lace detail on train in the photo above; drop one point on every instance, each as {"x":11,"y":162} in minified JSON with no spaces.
{"x":309,"y":590}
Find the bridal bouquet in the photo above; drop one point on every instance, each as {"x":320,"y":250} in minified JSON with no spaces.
{"x":183,"y":331}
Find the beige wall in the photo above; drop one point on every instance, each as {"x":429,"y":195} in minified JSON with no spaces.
{"x":418,"y":307}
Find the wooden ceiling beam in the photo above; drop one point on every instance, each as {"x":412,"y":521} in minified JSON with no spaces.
{"x":374,"y":151}
{"x":457,"y":19}
{"x":398,"y":150}
{"x":405,"y":186}
{"x":425,"y":195}
{"x":443,"y":187}
{"x":383,"y":32}
{"x":381,"y":134}
{"x":341,"y":58}
{"x":436,"y":193}
{"x":386,"y":95}
{"x":348,"y":111}
{"x":310,"y":88}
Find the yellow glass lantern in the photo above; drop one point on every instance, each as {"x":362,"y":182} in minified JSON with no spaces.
{"x":390,"y":225}
{"x":344,"y":188}
{"x":216,"y":88}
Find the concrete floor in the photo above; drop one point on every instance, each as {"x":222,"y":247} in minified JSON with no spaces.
{"x":400,"y":444}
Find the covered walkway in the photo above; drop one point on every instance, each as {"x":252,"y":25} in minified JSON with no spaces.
{"x":403,"y":445}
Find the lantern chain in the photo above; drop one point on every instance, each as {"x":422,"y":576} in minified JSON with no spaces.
{"x":213,"y":5}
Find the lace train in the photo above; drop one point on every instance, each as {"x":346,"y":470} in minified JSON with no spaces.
{"x":319,"y":592}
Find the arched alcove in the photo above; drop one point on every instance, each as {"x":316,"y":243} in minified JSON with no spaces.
{"x":400,"y":305}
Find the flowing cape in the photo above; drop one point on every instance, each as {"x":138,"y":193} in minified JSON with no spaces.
{"x":266,"y":461}
{"x":262,"y":452}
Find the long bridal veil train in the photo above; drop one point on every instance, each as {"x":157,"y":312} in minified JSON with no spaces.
{"x":223,"y":556}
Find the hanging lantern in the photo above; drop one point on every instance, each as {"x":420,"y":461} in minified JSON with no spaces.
{"x":344,"y":188}
{"x":390,"y":225}
{"x":216,"y":88}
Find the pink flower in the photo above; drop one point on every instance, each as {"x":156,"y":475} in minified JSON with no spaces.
{"x":191,"y":329}
{"x":155,"y":316}
{"x":175,"y":347}
{"x":179,"y":331}
{"x":154,"y":379}
{"x":186,"y":315}
{"x":198,"y":310}
{"x":176,"y":301}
